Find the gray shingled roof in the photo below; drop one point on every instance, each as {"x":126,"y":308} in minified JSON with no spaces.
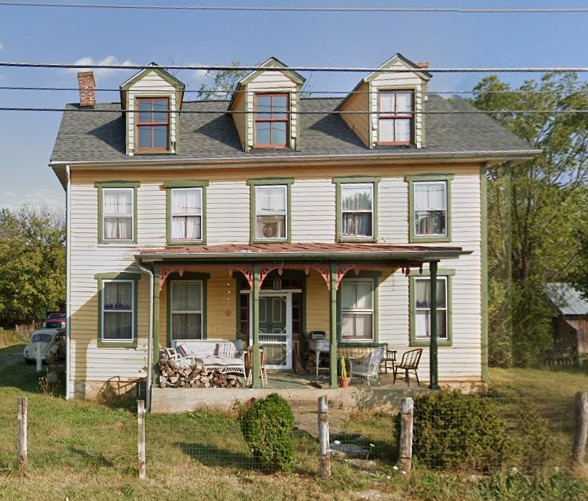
{"x":99,"y":135}
{"x":567,"y":299}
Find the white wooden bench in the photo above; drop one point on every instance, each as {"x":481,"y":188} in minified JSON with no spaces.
{"x":216,"y":354}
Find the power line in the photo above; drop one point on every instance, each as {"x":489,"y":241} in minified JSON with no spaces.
{"x":319,"y":92}
{"x":498,"y":69}
{"x":368,"y":10}
{"x":325,"y":112}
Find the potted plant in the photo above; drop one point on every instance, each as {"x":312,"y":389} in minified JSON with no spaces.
{"x":343,"y":380}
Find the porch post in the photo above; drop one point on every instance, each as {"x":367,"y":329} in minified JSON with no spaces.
{"x":255,"y":382}
{"x":433,"y":369}
{"x":333,"y":325}
{"x":156,"y":299}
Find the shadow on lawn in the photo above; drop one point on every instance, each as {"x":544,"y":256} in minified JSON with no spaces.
{"x":213,"y":456}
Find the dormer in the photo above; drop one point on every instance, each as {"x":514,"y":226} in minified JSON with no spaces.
{"x":265,"y":107}
{"x":385,"y":108}
{"x":151,"y":101}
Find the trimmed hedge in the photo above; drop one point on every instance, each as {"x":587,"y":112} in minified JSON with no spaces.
{"x":268,"y":429}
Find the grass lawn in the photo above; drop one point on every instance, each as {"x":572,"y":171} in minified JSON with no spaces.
{"x":88,"y":451}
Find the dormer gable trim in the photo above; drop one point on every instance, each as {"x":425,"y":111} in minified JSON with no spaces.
{"x":272,"y":64}
{"x":163,"y":74}
{"x":410,"y":66}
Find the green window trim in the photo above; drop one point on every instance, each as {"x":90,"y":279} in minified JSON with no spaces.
{"x":447,"y":275}
{"x":169,"y":186}
{"x":253,"y":184}
{"x":411,"y":180}
{"x":339,"y":181}
{"x":192,"y":277}
{"x":117,"y":277}
{"x":101,"y":186}
{"x":374,"y":276}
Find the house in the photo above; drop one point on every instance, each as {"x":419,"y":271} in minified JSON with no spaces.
{"x":273,"y":215}
{"x":570,"y":324}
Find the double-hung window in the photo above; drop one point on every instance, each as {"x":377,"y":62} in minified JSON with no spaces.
{"x":186,"y":310}
{"x":357,"y":309}
{"x":271,"y":120}
{"x":152,"y":124}
{"x":117,"y":211}
{"x":421,"y":290}
{"x":118,"y":311}
{"x":395,"y":117}
{"x":430,"y":208}
{"x":186,"y":214}
{"x":271,"y":212}
{"x":357,"y":210}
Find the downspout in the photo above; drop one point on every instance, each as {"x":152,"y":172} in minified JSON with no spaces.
{"x":69,"y":390}
{"x":149,"y":336}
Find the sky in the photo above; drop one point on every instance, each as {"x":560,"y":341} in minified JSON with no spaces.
{"x":206,"y":38}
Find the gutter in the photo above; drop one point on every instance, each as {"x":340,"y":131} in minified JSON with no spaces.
{"x":149,"y":336}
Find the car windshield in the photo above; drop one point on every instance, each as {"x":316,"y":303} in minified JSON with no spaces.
{"x":40,"y":338}
{"x":53,"y":316}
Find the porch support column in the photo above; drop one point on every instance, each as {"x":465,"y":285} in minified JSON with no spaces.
{"x":255,"y":382}
{"x":333,"y":325}
{"x":433,"y":362}
{"x":156,"y":299}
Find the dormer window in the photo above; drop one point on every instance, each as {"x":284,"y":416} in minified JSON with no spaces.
{"x":271,"y":120}
{"x":396,"y":117}
{"x":153,"y":124}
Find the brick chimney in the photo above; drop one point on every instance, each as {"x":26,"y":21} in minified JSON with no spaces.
{"x":87,"y":89}
{"x":424,"y":66}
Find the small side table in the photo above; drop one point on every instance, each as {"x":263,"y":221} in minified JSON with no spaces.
{"x":389,"y":359}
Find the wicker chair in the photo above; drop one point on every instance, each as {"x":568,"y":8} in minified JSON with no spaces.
{"x":367,"y":366}
{"x":409,"y":363}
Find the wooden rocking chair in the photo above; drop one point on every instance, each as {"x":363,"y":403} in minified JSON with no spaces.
{"x":409,"y":362}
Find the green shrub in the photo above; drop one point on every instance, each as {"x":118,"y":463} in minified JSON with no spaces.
{"x":268,"y":429}
{"x":453,"y":430}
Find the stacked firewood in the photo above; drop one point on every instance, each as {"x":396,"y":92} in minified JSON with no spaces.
{"x":172,"y":375}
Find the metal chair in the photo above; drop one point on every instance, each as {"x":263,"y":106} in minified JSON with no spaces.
{"x":367,"y":366}
{"x":409,"y":362}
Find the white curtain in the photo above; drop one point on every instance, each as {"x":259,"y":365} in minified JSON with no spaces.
{"x":357,"y":203}
{"x":270,"y":199}
{"x":186,"y":214}
{"x":429,"y":196}
{"x":118,"y":214}
{"x":186,"y":306}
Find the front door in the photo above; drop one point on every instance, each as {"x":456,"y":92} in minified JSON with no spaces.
{"x":275,"y":328}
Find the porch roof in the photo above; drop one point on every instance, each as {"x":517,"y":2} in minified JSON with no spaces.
{"x":299,"y":252}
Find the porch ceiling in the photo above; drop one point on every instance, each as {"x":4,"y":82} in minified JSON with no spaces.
{"x":303,"y":252}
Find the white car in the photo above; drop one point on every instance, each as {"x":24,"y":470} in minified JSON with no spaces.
{"x":49,"y":342}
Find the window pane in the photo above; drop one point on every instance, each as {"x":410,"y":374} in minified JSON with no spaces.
{"x":357,"y":225}
{"x":423,"y":308}
{"x":386,"y":130}
{"x":118,"y":326}
{"x":403,"y":102}
{"x":120,"y":228}
{"x":402,"y":131}
{"x":280,"y":106}
{"x":387,"y":102}
{"x":279,"y":133}
{"x":264,"y":106}
{"x":186,"y":228}
{"x":144,"y":137}
{"x":144,"y":110}
{"x":270,"y":227}
{"x":160,"y":110}
{"x":270,"y":199}
{"x":118,"y":295}
{"x":358,"y":197}
{"x":160,"y":136}
{"x":263,"y":133}
{"x":186,"y":326}
{"x":186,"y":296}
{"x":117,"y":201}
{"x":430,"y":196}
{"x":186,"y":201}
{"x":356,"y":326}
{"x":364,"y":295}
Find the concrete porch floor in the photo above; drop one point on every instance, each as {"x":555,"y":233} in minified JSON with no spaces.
{"x":302,"y":392}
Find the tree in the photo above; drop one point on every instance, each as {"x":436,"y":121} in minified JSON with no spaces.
{"x":32,"y":264}
{"x":223,"y":84}
{"x":535,"y":209}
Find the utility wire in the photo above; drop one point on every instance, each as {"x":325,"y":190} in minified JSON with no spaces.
{"x":325,"y":112}
{"x":319,"y":92}
{"x":540,"y":69}
{"x":368,"y":10}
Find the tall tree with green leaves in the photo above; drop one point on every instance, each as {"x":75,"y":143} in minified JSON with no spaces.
{"x":221,"y":84}
{"x":535,"y":209}
{"x":32,"y":264}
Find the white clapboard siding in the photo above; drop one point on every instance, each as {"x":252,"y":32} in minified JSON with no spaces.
{"x":228,"y":212}
{"x":313,"y":210}
{"x":393,"y":210}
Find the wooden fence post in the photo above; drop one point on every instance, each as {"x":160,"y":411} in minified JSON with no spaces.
{"x":21,"y":441}
{"x":406,"y":427}
{"x":581,"y":431}
{"x":324,"y":439}
{"x":141,"y":437}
